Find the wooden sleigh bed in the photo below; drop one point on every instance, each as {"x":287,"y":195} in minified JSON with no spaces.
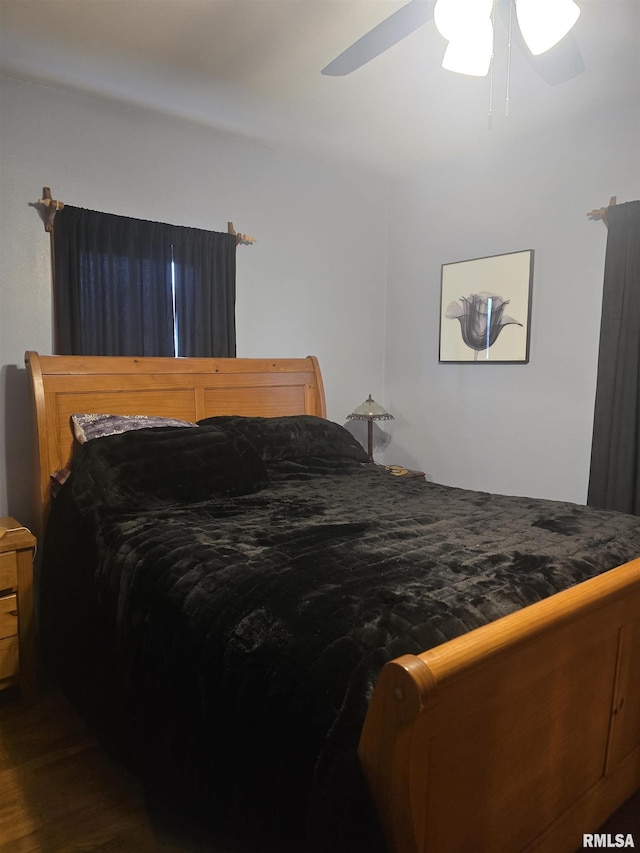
{"x":522,"y":734}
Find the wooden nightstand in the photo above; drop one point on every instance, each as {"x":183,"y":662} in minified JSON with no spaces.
{"x":17,"y":628}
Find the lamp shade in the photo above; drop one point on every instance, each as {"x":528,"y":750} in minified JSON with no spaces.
{"x":467,"y":26}
{"x":454,"y":18}
{"x":471,"y":53}
{"x":544,"y":23}
{"x":370,"y":410}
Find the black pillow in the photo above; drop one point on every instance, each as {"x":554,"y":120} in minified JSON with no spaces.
{"x":166,"y":465}
{"x":292,"y":437}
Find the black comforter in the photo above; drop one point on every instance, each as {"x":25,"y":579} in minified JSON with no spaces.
{"x":219,"y":601}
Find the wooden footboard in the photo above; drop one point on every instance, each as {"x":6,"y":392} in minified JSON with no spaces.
{"x":521,"y":735}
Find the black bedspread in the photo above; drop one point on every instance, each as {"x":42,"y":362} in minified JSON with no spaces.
{"x":219,"y":602}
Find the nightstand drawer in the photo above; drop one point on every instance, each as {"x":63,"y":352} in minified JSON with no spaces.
{"x":8,"y":657}
{"x":8,"y":616}
{"x":8,"y":570}
{"x":18,"y":662}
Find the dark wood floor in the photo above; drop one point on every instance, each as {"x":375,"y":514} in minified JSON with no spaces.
{"x":626,"y":821}
{"x":60,"y":792}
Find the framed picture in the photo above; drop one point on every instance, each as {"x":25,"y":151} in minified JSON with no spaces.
{"x":485,"y":309}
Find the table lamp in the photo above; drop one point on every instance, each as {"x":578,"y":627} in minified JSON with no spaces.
{"x":370,"y":411}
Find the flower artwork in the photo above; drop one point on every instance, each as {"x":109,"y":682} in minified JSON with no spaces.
{"x":490,"y":298}
{"x":482,"y":318}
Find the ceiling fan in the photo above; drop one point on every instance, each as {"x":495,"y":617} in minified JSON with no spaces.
{"x":556,"y":65}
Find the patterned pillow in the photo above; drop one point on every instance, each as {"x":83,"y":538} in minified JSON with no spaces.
{"x":86,"y":427}
{"x":57,"y":480}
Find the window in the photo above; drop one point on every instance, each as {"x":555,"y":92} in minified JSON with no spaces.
{"x":125,"y":286}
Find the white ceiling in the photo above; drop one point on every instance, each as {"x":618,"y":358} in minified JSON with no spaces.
{"x":252,"y":68}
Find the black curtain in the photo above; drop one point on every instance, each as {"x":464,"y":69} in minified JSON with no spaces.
{"x":113,"y":291}
{"x":614,"y":481}
{"x":205,"y":287}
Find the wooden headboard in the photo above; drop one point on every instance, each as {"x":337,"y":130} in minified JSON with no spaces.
{"x":186,"y":388}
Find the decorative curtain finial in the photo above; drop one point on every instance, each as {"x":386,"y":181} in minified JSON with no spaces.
{"x":51,"y":208}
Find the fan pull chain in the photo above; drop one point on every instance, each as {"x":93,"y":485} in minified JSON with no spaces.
{"x":493,"y":27}
{"x":508,"y":89}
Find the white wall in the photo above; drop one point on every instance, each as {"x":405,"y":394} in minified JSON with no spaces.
{"x":315,"y":280}
{"x":313,"y":283}
{"x":522,"y":429}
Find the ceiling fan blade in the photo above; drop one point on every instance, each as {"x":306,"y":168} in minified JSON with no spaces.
{"x":393,"y":29}
{"x":561,"y":63}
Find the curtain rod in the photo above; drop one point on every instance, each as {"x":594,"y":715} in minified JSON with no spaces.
{"x":601,"y":213}
{"x":52,"y":207}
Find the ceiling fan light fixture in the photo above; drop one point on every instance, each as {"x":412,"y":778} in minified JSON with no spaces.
{"x":454,"y":18}
{"x":470,"y":53}
{"x":467,"y":26}
{"x":543,"y":23}
{"x":445,"y":17}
